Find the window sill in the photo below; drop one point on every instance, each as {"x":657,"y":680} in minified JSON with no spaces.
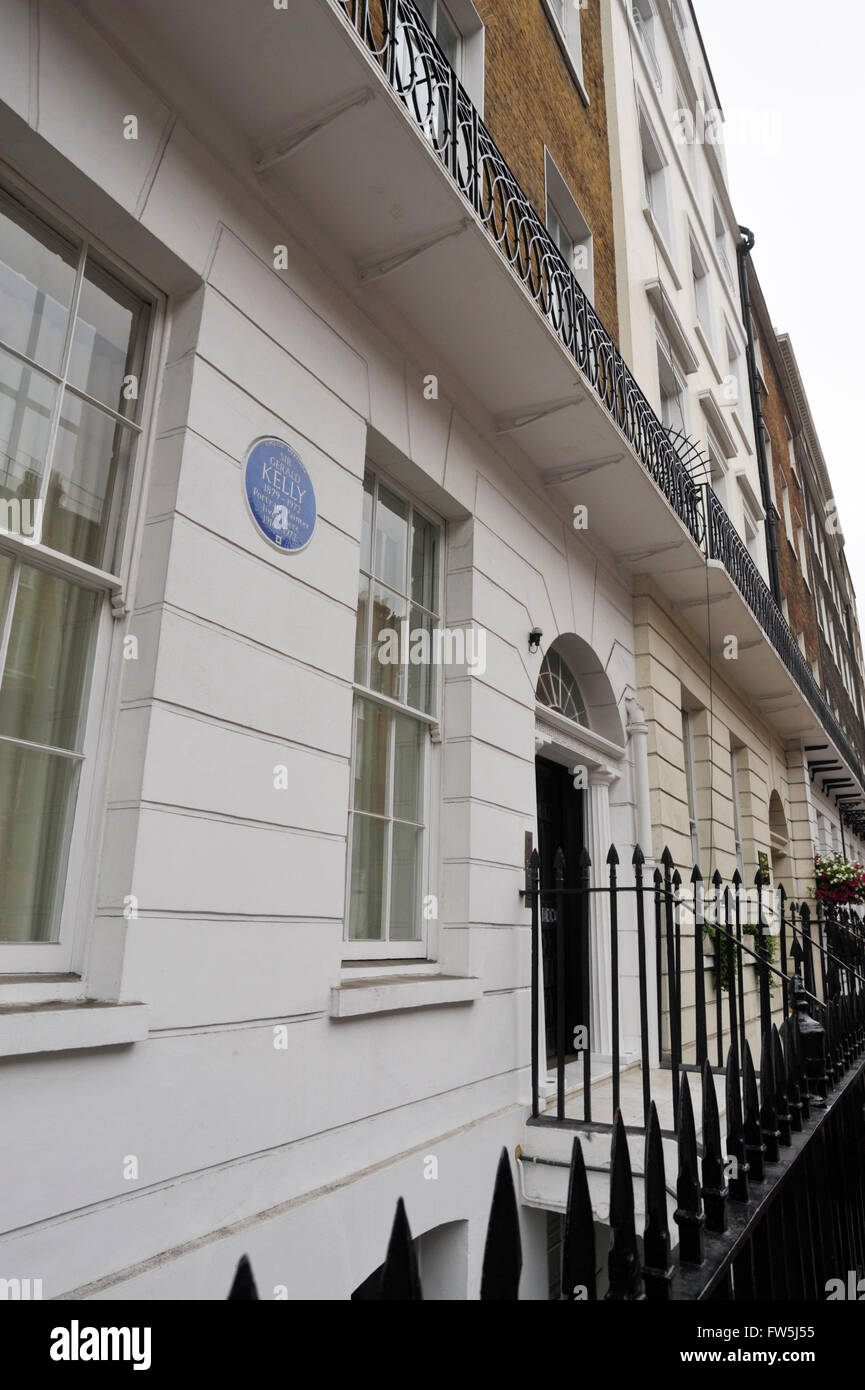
{"x":661,"y":244}
{"x":391,"y":993}
{"x":59,"y":1027}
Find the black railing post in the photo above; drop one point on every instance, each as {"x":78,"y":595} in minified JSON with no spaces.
{"x":737,"y":901}
{"x":535,"y":882}
{"x":503,"y":1255}
{"x":754,"y":1146}
{"x":657,"y":1266}
{"x":624,"y":1263}
{"x":559,"y":874}
{"x":722,"y":953}
{"x":637,"y":862}
{"x":585,"y":923}
{"x":715,"y":1191}
{"x":612,"y":860}
{"x":699,"y":976}
{"x":689,"y":1210}
{"x":782,"y":1110}
{"x":673,"y":979}
{"x":736,"y":1131}
{"x":763,"y":952}
{"x":578,"y":1246}
{"x":768,"y":1122}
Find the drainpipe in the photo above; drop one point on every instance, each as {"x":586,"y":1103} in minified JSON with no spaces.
{"x":743,"y":250}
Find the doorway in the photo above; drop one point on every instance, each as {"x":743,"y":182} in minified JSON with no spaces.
{"x":561,"y":824}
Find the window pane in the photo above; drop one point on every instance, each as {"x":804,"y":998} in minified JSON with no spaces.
{"x":90,"y":449}
{"x":391,"y":532}
{"x":386,"y":671}
{"x":408,"y":744}
{"x":361,"y":653}
{"x":26,"y":402}
{"x":47,"y":660}
{"x":370,"y":759}
{"x":37,"y":277}
{"x":104,"y":340}
{"x":405,"y":918}
{"x":37,"y":792}
{"x":424,"y":578}
{"x":367,"y":872}
{"x":421,"y":673}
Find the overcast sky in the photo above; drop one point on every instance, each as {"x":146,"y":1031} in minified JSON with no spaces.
{"x":790,"y":81}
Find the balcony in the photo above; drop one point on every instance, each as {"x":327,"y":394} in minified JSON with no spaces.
{"x":395,"y":35}
{"x":348,"y":116}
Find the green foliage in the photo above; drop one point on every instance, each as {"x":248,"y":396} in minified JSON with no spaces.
{"x":727,"y":948}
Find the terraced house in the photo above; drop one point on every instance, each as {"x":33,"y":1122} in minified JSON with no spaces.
{"x":383,"y":384}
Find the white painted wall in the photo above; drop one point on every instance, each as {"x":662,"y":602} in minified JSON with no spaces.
{"x":293,"y":1156}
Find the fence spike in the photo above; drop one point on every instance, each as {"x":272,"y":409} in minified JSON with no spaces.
{"x":243,"y":1286}
{"x":768,"y":1118}
{"x":578,"y":1252}
{"x":689,"y":1215}
{"x":613,"y":857}
{"x":717,"y":879}
{"x":559,"y":862}
{"x":657,"y":1267}
{"x":400,"y":1281}
{"x":584,"y":860}
{"x":782,"y":1110}
{"x":503,"y":1254}
{"x":677,"y":880}
{"x":736,"y":879}
{"x":696,"y":876}
{"x":715,"y":1189}
{"x":736,"y":1131}
{"x":754,"y":1146}
{"x":623,"y":1263}
{"x":790,"y":1030}
{"x":535,"y":860}
{"x":667,"y":858}
{"x":638,"y":857}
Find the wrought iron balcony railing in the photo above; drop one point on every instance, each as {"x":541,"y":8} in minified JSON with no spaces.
{"x":396,"y":35}
{"x":724,"y":543}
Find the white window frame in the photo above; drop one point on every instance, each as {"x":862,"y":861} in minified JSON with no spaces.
{"x":468,"y":25}
{"x":100,"y":692}
{"x":734,"y":366}
{"x":644,"y":18}
{"x":702,"y":289}
{"x":562,"y":203}
{"x":670,"y":375}
{"x":654,"y":168}
{"x":691,"y":783}
{"x":722,"y":243}
{"x":681,"y":26}
{"x":564,"y":17}
{"x":426,"y":946}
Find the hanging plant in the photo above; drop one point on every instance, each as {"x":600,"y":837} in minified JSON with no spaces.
{"x":838,"y":881}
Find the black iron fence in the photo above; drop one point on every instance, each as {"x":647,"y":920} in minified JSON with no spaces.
{"x":777,"y":1209}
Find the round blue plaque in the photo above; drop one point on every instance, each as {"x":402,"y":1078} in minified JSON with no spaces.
{"x":280,"y":494}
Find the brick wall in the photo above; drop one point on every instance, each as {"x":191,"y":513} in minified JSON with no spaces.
{"x":531,"y":100}
{"x":800,"y":602}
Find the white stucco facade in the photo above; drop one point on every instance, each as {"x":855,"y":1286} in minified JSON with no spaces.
{"x":208,"y":1077}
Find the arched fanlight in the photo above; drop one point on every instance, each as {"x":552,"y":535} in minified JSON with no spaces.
{"x":558,"y":689}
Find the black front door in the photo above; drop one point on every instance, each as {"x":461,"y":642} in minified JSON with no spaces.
{"x":560,"y":825}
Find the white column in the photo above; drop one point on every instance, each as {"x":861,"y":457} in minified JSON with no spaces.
{"x":598,"y":840}
{"x":638,"y":740}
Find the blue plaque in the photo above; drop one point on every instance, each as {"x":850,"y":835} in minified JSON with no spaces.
{"x":280,"y":494}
